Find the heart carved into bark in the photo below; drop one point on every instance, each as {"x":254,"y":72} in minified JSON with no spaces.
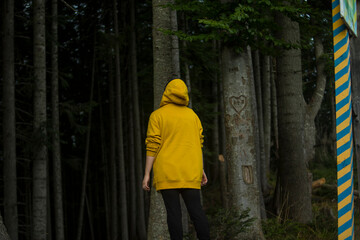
{"x":238,"y":103}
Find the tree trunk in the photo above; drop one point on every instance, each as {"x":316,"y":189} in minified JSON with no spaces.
{"x":163,"y":72}
{"x":87,"y":152}
{"x":240,"y":122}
{"x":274,"y":106}
{"x":175,"y":44}
{"x":40,"y":135}
{"x":260,"y":151}
{"x":141,"y":226}
{"x":313,"y":106}
{"x":3,"y":233}
{"x":114,"y":215}
{"x":215,"y":133}
{"x":266,"y":103}
{"x":355,"y":90}
{"x":162,"y":49}
{"x":90,"y":218}
{"x":222,"y":145}
{"x":295,"y":186}
{"x":58,"y":203}
{"x":9,"y":121}
{"x":186,"y":65}
{"x":131,"y":160}
{"x":119,"y":134}
{"x":215,"y":129}
{"x":105,"y":158}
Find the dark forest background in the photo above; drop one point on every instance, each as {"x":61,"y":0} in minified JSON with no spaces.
{"x":80,"y":79}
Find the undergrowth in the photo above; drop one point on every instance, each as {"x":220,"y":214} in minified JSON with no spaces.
{"x":323,"y":227}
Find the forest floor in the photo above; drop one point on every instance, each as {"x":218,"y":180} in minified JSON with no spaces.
{"x":324,"y":203}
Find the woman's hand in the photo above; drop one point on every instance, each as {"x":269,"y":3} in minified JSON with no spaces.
{"x":145,"y":183}
{"x":204,"y":179}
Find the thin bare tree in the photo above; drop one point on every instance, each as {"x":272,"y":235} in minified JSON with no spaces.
{"x":87,"y":152}
{"x":9,"y":121}
{"x":40,"y":134}
{"x":119,"y":134}
{"x":56,"y":152}
{"x":140,"y":216}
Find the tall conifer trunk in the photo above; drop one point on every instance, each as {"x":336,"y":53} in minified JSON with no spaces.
{"x":3,"y":232}
{"x":260,"y":152}
{"x":295,"y":189}
{"x":9,"y":121}
{"x":119,"y":134}
{"x":87,"y":153}
{"x":40,"y":135}
{"x":141,"y":227}
{"x":58,"y":203}
{"x":266,"y":102}
{"x":222,"y":148}
{"x":163,"y":72}
{"x":114,"y":215}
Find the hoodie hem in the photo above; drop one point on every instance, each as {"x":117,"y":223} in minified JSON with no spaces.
{"x":174,"y":185}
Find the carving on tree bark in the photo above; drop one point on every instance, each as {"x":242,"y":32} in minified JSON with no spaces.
{"x":238,"y":103}
{"x":248,"y":174}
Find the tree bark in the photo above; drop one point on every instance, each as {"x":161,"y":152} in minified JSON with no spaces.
{"x":140,"y":216}
{"x":162,"y":49}
{"x":40,"y":149}
{"x":260,"y":151}
{"x":163,"y":72}
{"x":87,"y":152}
{"x":240,"y":122}
{"x":175,"y":44}
{"x":131,"y":158}
{"x":58,"y":203}
{"x":9,"y":121}
{"x":295,"y":186}
{"x":3,"y":233}
{"x":105,"y":158}
{"x":119,"y":134}
{"x":186,"y":65}
{"x":114,"y":215}
{"x":222,"y":144}
{"x":215,"y":133}
{"x":313,"y":106}
{"x":215,"y":129}
{"x":274,"y":106}
{"x":266,"y":102}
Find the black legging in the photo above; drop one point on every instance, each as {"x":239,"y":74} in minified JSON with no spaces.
{"x":191,"y":198}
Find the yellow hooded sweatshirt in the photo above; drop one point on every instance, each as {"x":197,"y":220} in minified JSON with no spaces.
{"x":174,"y":138}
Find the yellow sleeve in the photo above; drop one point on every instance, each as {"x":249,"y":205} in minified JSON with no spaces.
{"x":201,"y":132}
{"x":153,"y":138}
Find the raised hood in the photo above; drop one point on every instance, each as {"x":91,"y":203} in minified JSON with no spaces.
{"x":175,"y":92}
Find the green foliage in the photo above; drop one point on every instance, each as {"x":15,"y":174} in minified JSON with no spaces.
{"x":276,"y":230}
{"x":323,"y":228}
{"x":226,"y":224}
{"x":325,"y":167}
{"x":238,"y":24}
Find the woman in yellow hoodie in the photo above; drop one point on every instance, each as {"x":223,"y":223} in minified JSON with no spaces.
{"x":174,"y":148}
